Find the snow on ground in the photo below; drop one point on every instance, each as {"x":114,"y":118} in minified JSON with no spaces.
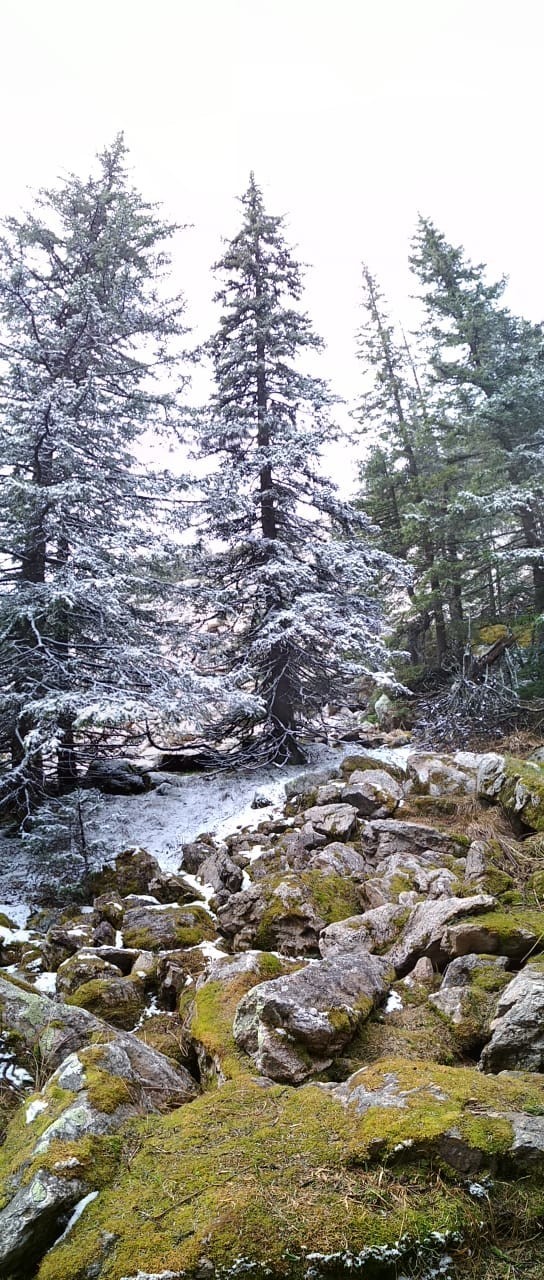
{"x":219,"y":803}
{"x":163,"y":821}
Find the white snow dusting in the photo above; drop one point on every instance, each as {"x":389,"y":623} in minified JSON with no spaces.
{"x":34,"y":1108}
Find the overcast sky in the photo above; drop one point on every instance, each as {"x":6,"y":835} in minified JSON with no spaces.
{"x":354,"y":114}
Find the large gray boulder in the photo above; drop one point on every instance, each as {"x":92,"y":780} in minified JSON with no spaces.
{"x":395,"y":836}
{"x":49,"y":1031}
{"x":425,"y":933}
{"x":293,"y":1026}
{"x":442,"y":775}
{"x":162,"y":928}
{"x":337,"y":821}
{"x":517,"y":1041}
{"x":273,"y":916}
{"x":34,"y":1218}
{"x":372,"y":931}
{"x":372,"y":792}
{"x":100,"y":1078}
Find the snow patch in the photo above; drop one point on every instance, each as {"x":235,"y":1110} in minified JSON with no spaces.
{"x":393,"y":1003}
{"x":80,"y":1207}
{"x":46,"y":983}
{"x":34,"y":1109}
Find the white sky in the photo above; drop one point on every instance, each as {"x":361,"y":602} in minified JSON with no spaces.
{"x":355,"y":115}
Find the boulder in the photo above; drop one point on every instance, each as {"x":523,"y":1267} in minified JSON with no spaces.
{"x":34,"y":1217}
{"x":104,"y":935}
{"x":93,"y":1092}
{"x":513,"y":934}
{"x":442,"y":775}
{"x":402,"y":872}
{"x":82,"y":967}
{"x":50,"y":1031}
{"x":293,"y":1026}
{"x":517,"y":1040}
{"x":491,"y":775}
{"x":119,"y":1001}
{"x":62,"y":941}
{"x":219,"y":870}
{"x":131,"y":872}
{"x":426,"y":934}
{"x":171,"y":886}
{"x":431,"y":1108}
{"x":117,"y":778}
{"x":372,"y":760}
{"x":394,"y":836}
{"x":522,"y":794}
{"x":274,"y":916}
{"x":373,"y":931}
{"x":338,"y":859}
{"x":372,"y":792}
{"x":160,"y":928}
{"x":468,"y":995}
{"x":109,"y":907}
{"x":337,"y":821}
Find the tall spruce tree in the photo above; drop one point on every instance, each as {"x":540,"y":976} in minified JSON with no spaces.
{"x":289,"y":575}
{"x":87,"y":340}
{"x":487,"y":370}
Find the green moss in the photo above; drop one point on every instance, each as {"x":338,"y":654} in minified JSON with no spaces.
{"x":334,"y":896}
{"x":209,"y":1015}
{"x":97,"y":1156}
{"x":495,"y":881}
{"x":21,"y":1138}
{"x":267,"y":1174}
{"x":120,"y":1001}
{"x":514,"y":933}
{"x":489,"y":977}
{"x":524,"y":787}
{"x":188,"y":929}
{"x":106,"y":1091}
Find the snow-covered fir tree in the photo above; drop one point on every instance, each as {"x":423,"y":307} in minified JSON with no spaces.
{"x":87,"y":340}
{"x":288,"y":573}
{"x":487,"y":374}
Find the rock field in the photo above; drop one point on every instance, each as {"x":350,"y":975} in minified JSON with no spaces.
{"x":314,"y":1049}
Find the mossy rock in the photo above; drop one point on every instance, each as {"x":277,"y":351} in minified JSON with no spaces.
{"x":167,"y":928}
{"x":130,"y":873}
{"x":166,"y":1033}
{"x":364,"y":762}
{"x":270,"y":1175}
{"x":119,"y":1001}
{"x":310,"y":900}
{"x":522,"y":796}
{"x":516,"y":933}
{"x":208,"y":1015}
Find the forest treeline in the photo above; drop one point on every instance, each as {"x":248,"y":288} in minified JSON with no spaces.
{"x":453,"y":476}
{"x":138,"y":602}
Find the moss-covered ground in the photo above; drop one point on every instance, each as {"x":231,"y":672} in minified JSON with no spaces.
{"x":270,"y":1173}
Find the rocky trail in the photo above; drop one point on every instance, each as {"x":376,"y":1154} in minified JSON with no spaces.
{"x":310,"y":1045}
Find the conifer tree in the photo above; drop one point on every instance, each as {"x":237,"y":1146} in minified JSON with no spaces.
{"x":86,"y":334}
{"x":487,"y":372}
{"x":288,"y":568}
